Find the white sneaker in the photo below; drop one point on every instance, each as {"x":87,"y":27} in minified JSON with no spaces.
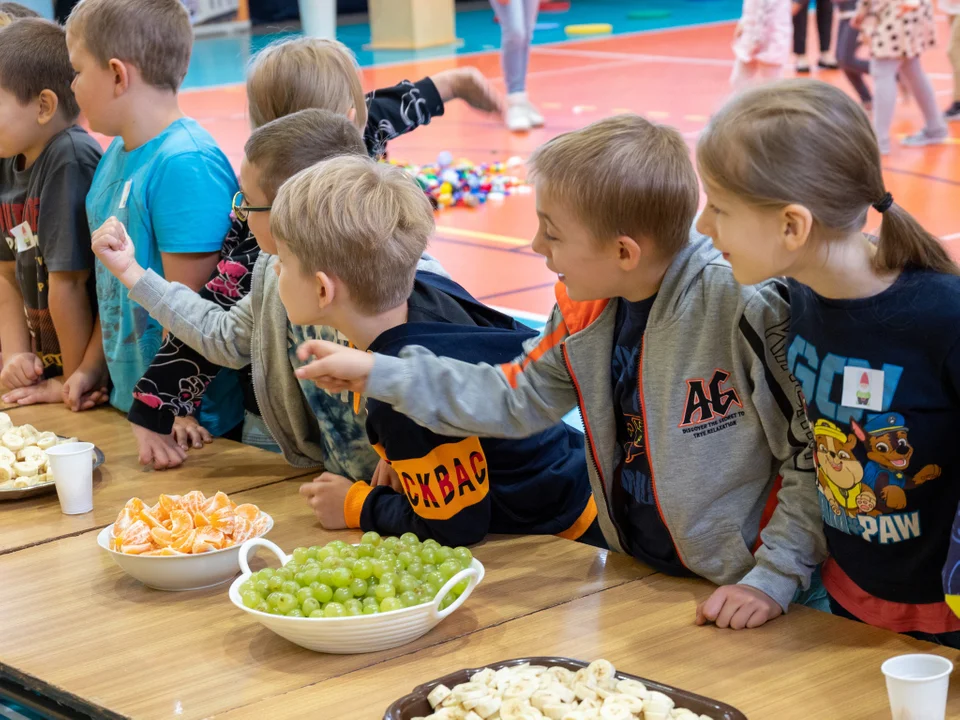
{"x":923,"y":139}
{"x":517,"y":116}
{"x":536,"y":119}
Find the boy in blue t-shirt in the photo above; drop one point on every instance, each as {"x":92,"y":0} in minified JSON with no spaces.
{"x":163,"y":176}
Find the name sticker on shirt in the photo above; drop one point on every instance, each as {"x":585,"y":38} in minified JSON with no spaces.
{"x":862,"y":388}
{"x":126,"y":194}
{"x":24,"y":237}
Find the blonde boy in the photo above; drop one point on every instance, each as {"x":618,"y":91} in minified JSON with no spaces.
{"x":699,"y":455}
{"x":163,"y":176}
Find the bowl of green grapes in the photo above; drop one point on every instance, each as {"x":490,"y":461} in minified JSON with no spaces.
{"x":343,"y":599}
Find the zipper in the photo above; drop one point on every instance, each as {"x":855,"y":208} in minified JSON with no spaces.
{"x":646,"y":449}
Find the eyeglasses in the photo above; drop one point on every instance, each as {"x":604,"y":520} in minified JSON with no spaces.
{"x":242,"y":211}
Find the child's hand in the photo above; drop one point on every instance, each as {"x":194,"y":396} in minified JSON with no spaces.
{"x":385,"y":475}
{"x":327,"y":495}
{"x":738,"y":607}
{"x":470,"y":85}
{"x":21,"y":370}
{"x":45,"y":391}
{"x":187,"y":432}
{"x":114,"y":248}
{"x":798,"y":6}
{"x":160,"y":451}
{"x":336,"y":368}
{"x":86,"y":389}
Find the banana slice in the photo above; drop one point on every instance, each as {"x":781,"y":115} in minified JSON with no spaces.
{"x":7,"y":457}
{"x":632,"y":687}
{"x":47,"y":440}
{"x":604,"y":673}
{"x":631,"y":703}
{"x":24,"y":482}
{"x":12,"y":441}
{"x":26,"y":468}
{"x":5,"y":422}
{"x":64,"y":441}
{"x":488,"y":707}
{"x":6,"y":473}
{"x":8,"y":485}
{"x":438,"y":695}
{"x":519,"y":709}
{"x":34,"y":453}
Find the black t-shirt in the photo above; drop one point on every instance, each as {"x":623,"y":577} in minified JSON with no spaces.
{"x":634,"y":504}
{"x":881,"y":377}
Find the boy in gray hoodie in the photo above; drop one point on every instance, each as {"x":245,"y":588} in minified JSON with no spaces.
{"x":698,"y":450}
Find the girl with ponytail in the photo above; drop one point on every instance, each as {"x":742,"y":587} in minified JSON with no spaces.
{"x":791,"y":170}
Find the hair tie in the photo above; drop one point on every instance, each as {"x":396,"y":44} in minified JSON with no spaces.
{"x":884,"y":203}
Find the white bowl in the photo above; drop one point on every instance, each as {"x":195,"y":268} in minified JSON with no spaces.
{"x":358,"y":633}
{"x":178,"y":572}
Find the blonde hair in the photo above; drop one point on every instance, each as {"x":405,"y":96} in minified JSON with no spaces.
{"x":623,"y":176}
{"x":154,"y":36}
{"x":806,"y":142}
{"x":301,"y":73}
{"x":363,"y":222}
{"x":285,"y":146}
{"x":5,"y":19}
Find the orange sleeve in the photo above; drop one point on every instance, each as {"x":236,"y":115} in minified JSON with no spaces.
{"x":353,"y":505}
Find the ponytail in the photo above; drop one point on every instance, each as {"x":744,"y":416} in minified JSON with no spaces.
{"x":904,"y":243}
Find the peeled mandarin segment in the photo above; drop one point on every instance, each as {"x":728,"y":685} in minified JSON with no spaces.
{"x":184,"y":543}
{"x":137,"y":549}
{"x":242,"y":529}
{"x":200,"y":520}
{"x":169,"y":503}
{"x":224,"y":519}
{"x":260,"y":525}
{"x":161,"y":536}
{"x":149,"y":518}
{"x":250,"y":512}
{"x":163,"y":551}
{"x":208,"y":539}
{"x":193,"y":501}
{"x":182,"y":522}
{"x":134,"y":505}
{"x":136,"y":534}
{"x":124,"y":520}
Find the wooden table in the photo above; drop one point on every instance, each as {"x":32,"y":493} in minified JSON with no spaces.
{"x":223,"y":465}
{"x":805,"y":665}
{"x":141,"y":653}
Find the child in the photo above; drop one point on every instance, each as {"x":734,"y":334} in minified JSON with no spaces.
{"x":697,"y":444}
{"x":900,"y":33}
{"x":762,"y":42}
{"x":376,"y":223}
{"x":163,"y":175}
{"x":801,"y":13}
{"x":286,"y":77}
{"x":873,"y":339}
{"x":848,"y":40}
{"x":952,"y":9}
{"x":517,"y":19}
{"x":47,"y":294}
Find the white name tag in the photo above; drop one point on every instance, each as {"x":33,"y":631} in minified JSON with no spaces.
{"x":24,"y":237}
{"x":126,"y":194}
{"x":862,"y":388}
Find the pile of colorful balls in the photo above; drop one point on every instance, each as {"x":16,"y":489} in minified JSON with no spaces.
{"x":463,"y":184}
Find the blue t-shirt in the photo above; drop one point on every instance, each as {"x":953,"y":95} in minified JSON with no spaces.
{"x":881,"y":377}
{"x":174,"y":195}
{"x":635,"y":506}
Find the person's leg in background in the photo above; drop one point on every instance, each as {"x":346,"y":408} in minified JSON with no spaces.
{"x":953,"y":112}
{"x":801,"y":11}
{"x":848,"y":40}
{"x":935,"y":131}
{"x":884,"y":73}
{"x":825,"y":34}
{"x":514,"y":54}
{"x":531,"y":8}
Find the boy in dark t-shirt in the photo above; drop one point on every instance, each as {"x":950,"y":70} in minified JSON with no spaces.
{"x":47,"y":307}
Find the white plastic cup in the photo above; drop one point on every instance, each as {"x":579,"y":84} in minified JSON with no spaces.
{"x":72,"y":468}
{"x":917,"y":686}
{"x":318,"y":18}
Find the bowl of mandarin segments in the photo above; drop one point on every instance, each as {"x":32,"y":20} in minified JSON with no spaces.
{"x":186,"y":542}
{"x":344,"y":599}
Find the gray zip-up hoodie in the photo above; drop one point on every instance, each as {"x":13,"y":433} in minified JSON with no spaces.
{"x":256,"y":331}
{"x":726,"y":437}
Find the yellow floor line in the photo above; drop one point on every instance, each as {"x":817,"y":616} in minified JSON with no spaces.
{"x":477,"y":235}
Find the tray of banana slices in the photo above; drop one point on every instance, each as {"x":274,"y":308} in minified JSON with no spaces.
{"x":550,"y":688}
{"x":24,"y":471}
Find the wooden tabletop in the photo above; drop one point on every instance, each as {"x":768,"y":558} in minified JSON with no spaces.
{"x":142,"y":653}
{"x":223,"y":465}
{"x":805,"y":665}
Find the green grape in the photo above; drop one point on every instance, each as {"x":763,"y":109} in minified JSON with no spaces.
{"x":444,"y":554}
{"x":284,"y":574}
{"x":409,"y":538}
{"x":303,"y":593}
{"x":433,"y":578}
{"x":447,"y":601}
{"x":261,"y":586}
{"x":368,"y":601}
{"x":409,"y":599}
{"x":312,"y":552}
{"x":460,"y":587}
{"x":322,"y":593}
{"x":363,"y":569}
{"x":371,"y":609}
{"x":251,"y":599}
{"x":334,"y":609}
{"x":371,"y":590}
{"x":262,"y":606}
{"x":275,"y":582}
{"x":274,"y":611}
{"x":385,"y":591}
{"x":273,"y":598}
{"x":292,"y":568}
{"x":324,"y":553}
{"x":390,"y":603}
{"x":379,"y":568}
{"x":296,"y":612}
{"x":431,"y":589}
{"x":326,"y":576}
{"x":431,"y":543}
{"x":391,"y":543}
{"x":463,"y":555}
{"x":349,"y":563}
{"x":246,"y":586}
{"x":349,"y":552}
{"x":428,"y":555}
{"x":448,"y":569}
{"x":300,"y":579}
{"x":310,"y":575}
{"x":353,"y":606}
{"x":365,"y":551}
{"x":286,"y":602}
{"x":337,"y":545}
{"x":265,"y":574}
{"x":370,"y":538}
{"x":415,"y":569}
{"x":358,"y":588}
{"x":389,"y":578}
{"x":341,"y":595}
{"x":290,"y":587}
{"x":407,"y":582}
{"x":318,"y":614}
{"x":300,"y":555}
{"x":341,"y":577}
{"x":427,"y":569}
{"x":405,"y":557}
{"x":309,"y":605}
{"x":332,"y":563}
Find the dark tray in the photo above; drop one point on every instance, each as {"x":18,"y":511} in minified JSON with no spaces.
{"x":415,"y":704}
